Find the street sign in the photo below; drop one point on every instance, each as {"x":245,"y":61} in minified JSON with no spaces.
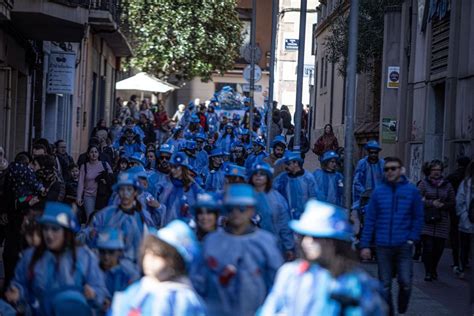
{"x":248,"y":71}
{"x":308,"y":70}
{"x":291,"y":43}
{"x":248,"y":53}
{"x":393,"y":77}
{"x":246,"y":87}
{"x":61,"y":72}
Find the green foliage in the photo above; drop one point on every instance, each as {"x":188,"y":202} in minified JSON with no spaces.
{"x":183,"y":39}
{"x":370,"y":38}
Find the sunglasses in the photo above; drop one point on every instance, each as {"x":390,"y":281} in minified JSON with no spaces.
{"x":109,"y":252}
{"x":53,"y":228}
{"x":164,"y":158}
{"x":387,"y":169}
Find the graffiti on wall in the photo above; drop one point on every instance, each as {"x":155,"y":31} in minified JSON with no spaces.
{"x":416,"y":162}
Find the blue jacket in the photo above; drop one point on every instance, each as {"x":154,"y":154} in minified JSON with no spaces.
{"x":366,"y":177}
{"x":394,"y":215}
{"x":329,"y":186}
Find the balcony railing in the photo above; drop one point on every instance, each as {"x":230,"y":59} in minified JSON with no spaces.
{"x":112,"y":6}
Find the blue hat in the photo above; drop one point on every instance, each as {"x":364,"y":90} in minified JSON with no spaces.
{"x":262,"y":166}
{"x":138,"y":157}
{"x":195,"y":119}
{"x":181,"y":237}
{"x":240,"y":195}
{"x":139,"y":172}
{"x":207,"y":200}
{"x":328,"y":155}
{"x":373,"y":144}
{"x":229,"y":125}
{"x":60,"y":214}
{"x":232,"y":170}
{"x":216,"y":152}
{"x":236,"y":143}
{"x":279,"y":140}
{"x":293,"y":155}
{"x":323,"y":220}
{"x":190,"y":144}
{"x":126,"y":178}
{"x":110,"y":238}
{"x":71,"y":303}
{"x":166,"y":148}
{"x":200,"y":136}
{"x":180,"y":159}
{"x":258,"y":141}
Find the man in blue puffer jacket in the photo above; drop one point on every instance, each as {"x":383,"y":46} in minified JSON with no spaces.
{"x":394,"y":218}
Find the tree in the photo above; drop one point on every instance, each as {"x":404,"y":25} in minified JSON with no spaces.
{"x":182,"y":39}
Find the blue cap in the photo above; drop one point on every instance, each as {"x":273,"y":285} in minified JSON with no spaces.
{"x":373,"y":144}
{"x":126,"y":178}
{"x":262,"y":166}
{"x":240,"y":194}
{"x":328,"y":155}
{"x":232,"y":170}
{"x":166,"y":148}
{"x":216,"y":152}
{"x":279,"y":140}
{"x":207,"y":200}
{"x":110,"y":238}
{"x":200,"y":136}
{"x":323,"y":220}
{"x":190,"y":144}
{"x":195,"y":118}
{"x":71,"y":303}
{"x":293,"y":155}
{"x":180,"y":159}
{"x":181,"y":237}
{"x":139,"y":172}
{"x":258,"y":141}
{"x":138,"y":157}
{"x":60,"y":214}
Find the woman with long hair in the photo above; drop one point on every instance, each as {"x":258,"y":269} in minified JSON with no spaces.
{"x":178,"y":191}
{"x":272,"y":208}
{"x":327,"y":141}
{"x":57,"y":266}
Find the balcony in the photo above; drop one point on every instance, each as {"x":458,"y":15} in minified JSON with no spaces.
{"x":58,"y":20}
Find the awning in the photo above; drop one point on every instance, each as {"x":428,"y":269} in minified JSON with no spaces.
{"x":145,"y":82}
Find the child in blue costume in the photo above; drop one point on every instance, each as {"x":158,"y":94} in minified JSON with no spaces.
{"x":215,"y":174}
{"x":258,"y":153}
{"x":326,"y":280}
{"x":272,"y":209}
{"x":329,"y":182}
{"x":128,"y":216}
{"x":178,"y":192}
{"x":227,"y":138}
{"x":118,"y":273}
{"x":57,"y":265}
{"x":166,"y":259}
{"x":296,"y":184}
{"x":241,"y":260}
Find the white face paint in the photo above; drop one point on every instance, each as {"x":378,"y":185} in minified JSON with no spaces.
{"x":126,"y":193}
{"x":311,"y":248}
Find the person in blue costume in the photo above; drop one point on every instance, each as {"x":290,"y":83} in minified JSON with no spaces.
{"x":165,"y":289}
{"x":329,"y":182}
{"x":128,"y":216}
{"x":178,"y":192}
{"x":163,"y":168}
{"x":202,"y":157}
{"x":57,"y":265}
{"x":195,"y":125}
{"x":137,"y":159}
{"x":245,"y":138}
{"x":189,"y":149}
{"x":215,"y":175}
{"x":234,"y":174}
{"x":206,"y":211}
{"x":129,"y":144}
{"x":369,"y":171}
{"x":272,"y":209}
{"x":278,"y":146}
{"x":118,"y":273}
{"x":176,"y":140}
{"x":327,"y":280}
{"x":258,"y":153}
{"x":238,"y":153}
{"x":211,"y":115}
{"x":241,"y":260}
{"x":296,"y":184}
{"x":227,"y":138}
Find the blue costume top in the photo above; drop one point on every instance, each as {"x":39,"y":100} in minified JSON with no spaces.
{"x":127,"y":150}
{"x":52,"y":275}
{"x":121,"y":276}
{"x":329,"y":186}
{"x":149,"y":297}
{"x":202,"y":162}
{"x":241,"y":270}
{"x":253,"y":158}
{"x":274,"y":217}
{"x":297,"y":190}
{"x":215,"y":180}
{"x":177,"y":201}
{"x":306,"y":289}
{"x":225,"y":142}
{"x":366,"y":177}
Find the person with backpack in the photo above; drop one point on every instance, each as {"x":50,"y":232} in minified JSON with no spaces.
{"x":439,"y":198}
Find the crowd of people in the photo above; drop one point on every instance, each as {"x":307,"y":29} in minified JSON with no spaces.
{"x":190,"y":215}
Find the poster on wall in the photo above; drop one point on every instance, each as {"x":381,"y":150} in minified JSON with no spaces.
{"x":389,"y":130}
{"x":416,"y":162}
{"x":61,"y":72}
{"x":393,"y":77}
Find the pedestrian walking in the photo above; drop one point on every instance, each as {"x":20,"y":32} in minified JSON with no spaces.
{"x":393,"y":222}
{"x":329,"y":182}
{"x":327,"y":141}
